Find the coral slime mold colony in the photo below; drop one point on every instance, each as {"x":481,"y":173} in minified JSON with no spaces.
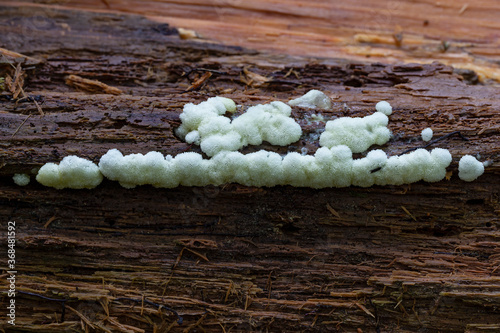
{"x":221,"y":138}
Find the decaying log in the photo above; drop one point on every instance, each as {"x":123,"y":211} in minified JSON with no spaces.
{"x":463,"y":35}
{"x":419,"y":257}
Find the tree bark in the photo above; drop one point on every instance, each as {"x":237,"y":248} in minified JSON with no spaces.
{"x":419,"y":257}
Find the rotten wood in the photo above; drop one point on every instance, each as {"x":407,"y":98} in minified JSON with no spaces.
{"x":463,"y":35}
{"x":94,"y":86}
{"x":420,"y":257}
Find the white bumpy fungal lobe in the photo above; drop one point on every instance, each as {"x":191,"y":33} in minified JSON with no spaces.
{"x":332,"y":165}
{"x":427,"y":134}
{"x":21,"y":179}
{"x":73,"y":172}
{"x":384,"y":107}
{"x":204,"y":124}
{"x":469,"y":168}
{"x":358,"y":134}
{"x":328,"y":167}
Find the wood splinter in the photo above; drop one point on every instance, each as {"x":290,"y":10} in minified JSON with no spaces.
{"x":93,"y":86}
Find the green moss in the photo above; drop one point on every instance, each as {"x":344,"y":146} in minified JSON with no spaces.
{"x":1,"y":84}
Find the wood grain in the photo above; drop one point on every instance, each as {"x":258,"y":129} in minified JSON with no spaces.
{"x":458,"y":33}
{"x":420,"y":257}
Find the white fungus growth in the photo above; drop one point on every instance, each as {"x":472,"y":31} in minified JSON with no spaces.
{"x":427,"y":134}
{"x":21,"y":179}
{"x":314,"y":99}
{"x":469,"y":168}
{"x":384,"y":107}
{"x":356,"y":133}
{"x":193,"y":116}
{"x":72,"y":172}
{"x":268,"y":122}
{"x":138,"y":169}
{"x":417,"y":165}
{"x":193,"y":137}
{"x":332,"y":165}
{"x":204,"y":124}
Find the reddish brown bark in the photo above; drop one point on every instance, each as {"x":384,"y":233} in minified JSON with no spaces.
{"x":420,"y":257}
